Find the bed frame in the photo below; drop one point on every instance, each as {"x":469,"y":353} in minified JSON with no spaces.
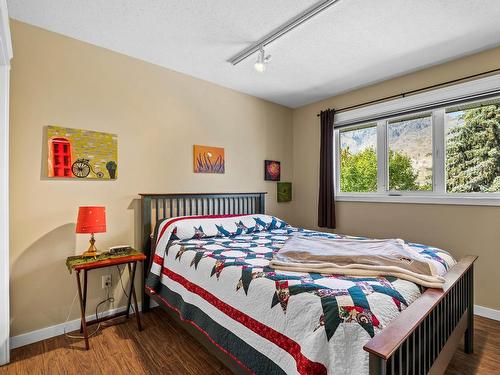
{"x":421,"y":340}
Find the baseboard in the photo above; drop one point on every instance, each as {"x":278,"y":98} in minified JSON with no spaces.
{"x":56,"y":330}
{"x":486,"y":312}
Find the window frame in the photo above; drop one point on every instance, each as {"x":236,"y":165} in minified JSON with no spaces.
{"x":438,"y":194}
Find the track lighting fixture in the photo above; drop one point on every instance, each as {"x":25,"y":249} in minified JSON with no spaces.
{"x":262,"y":60}
{"x":277,"y":33}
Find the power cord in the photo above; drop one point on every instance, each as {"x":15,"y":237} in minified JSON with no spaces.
{"x":120,"y":272}
{"x":107,"y":299}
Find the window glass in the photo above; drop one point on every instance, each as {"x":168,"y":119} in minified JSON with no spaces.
{"x":472,"y":136}
{"x":358,"y":160}
{"x":410,"y":153}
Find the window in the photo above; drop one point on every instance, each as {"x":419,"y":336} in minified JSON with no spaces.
{"x":358,"y":160}
{"x":410,"y":153}
{"x":445,"y":155}
{"x":473,"y":148}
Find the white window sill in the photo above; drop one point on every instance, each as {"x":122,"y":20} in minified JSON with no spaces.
{"x":421,"y":199}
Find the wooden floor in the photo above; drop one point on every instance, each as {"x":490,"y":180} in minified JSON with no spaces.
{"x":165,"y":348}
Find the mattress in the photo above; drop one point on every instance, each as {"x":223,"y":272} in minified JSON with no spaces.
{"x":214,"y":271}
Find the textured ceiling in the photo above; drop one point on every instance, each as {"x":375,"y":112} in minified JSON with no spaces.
{"x":352,"y":44}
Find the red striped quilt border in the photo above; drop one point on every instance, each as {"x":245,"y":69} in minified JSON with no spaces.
{"x":304,"y":364}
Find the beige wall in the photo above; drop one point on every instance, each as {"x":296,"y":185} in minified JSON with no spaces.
{"x":158,"y":115}
{"x":461,"y":229}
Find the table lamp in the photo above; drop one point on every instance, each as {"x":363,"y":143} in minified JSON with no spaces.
{"x":91,"y":219}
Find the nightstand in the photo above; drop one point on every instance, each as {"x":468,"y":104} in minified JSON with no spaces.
{"x":79,"y":264}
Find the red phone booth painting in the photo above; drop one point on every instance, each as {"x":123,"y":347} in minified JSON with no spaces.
{"x":81,"y":154}
{"x":60,"y":150}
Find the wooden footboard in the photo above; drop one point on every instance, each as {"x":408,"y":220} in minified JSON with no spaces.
{"x":423,"y":338}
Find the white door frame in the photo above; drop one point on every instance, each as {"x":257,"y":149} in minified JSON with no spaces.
{"x":5,"y":56}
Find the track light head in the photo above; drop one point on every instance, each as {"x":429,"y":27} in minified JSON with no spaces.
{"x":262,"y":60}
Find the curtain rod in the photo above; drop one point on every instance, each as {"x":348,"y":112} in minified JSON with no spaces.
{"x":411,"y":92}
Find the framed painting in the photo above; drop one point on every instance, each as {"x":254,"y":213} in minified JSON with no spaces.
{"x":81,"y":154}
{"x":272,"y":170}
{"x":208,"y":159}
{"x":284,"y":191}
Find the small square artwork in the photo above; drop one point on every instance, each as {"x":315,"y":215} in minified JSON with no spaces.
{"x":208,"y":159}
{"x":81,"y":154}
{"x":284,"y":191}
{"x":272,"y":170}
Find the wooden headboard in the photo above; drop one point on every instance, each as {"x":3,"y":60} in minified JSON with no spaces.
{"x":156,"y":207}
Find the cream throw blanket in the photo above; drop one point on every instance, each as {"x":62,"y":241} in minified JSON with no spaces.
{"x":356,"y":257}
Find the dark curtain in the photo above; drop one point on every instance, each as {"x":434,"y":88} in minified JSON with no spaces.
{"x":326,"y":206}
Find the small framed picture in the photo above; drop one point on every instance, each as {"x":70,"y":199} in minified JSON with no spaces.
{"x":272,"y":170}
{"x":284,"y":191}
{"x":208,"y":159}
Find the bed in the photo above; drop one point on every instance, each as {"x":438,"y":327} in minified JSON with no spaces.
{"x":212,"y":272}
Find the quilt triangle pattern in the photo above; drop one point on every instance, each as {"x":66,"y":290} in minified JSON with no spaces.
{"x":248,"y":251}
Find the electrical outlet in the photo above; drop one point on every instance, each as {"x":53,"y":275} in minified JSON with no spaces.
{"x":106,"y":281}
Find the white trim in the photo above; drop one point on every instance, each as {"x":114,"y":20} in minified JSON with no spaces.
{"x":438,"y":150}
{"x":486,"y":312}
{"x":4,"y":216}
{"x":5,"y":56}
{"x":422,"y":199}
{"x":5,"y":39}
{"x":56,"y":330}
{"x":382,"y":165}
{"x":385,"y":109}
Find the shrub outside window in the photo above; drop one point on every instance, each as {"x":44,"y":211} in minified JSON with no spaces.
{"x":358,"y":159}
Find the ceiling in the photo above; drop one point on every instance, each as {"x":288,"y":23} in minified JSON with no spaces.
{"x":352,"y":44}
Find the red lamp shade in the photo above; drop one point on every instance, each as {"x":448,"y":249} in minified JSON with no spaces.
{"x":91,"y":219}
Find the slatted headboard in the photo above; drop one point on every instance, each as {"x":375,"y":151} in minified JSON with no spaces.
{"x":156,"y":207}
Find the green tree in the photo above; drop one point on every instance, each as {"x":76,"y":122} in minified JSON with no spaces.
{"x":473,"y":152}
{"x":402,"y":176}
{"x":359,"y":171}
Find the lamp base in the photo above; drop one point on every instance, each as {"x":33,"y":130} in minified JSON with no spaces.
{"x":90,"y":254}
{"x":92,"y":250}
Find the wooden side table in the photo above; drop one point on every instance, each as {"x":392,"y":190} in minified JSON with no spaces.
{"x":79,"y":264}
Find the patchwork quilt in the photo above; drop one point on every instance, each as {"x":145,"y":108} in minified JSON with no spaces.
{"x":214,"y":271}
